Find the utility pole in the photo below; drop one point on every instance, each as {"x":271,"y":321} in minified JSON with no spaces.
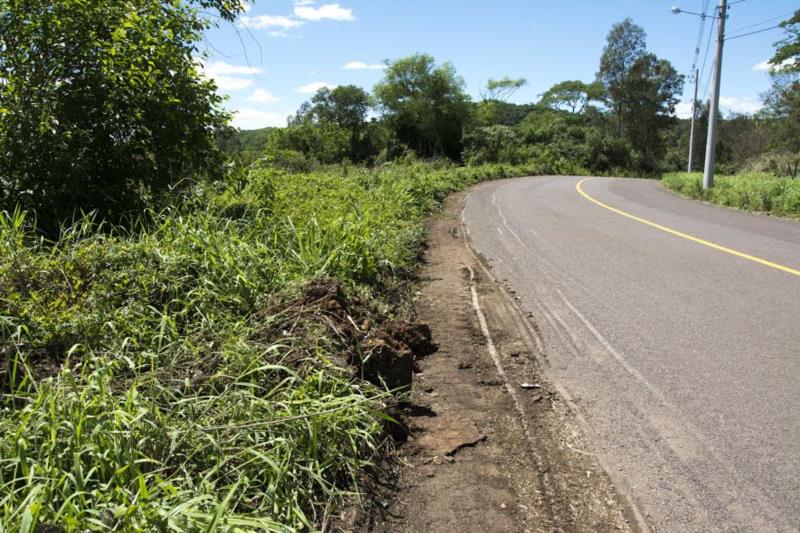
{"x":694,"y":115}
{"x":711,"y":144}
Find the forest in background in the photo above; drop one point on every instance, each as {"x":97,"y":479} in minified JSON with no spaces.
{"x":622,"y":123}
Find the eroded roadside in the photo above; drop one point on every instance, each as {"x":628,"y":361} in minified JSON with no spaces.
{"x":492,"y":445}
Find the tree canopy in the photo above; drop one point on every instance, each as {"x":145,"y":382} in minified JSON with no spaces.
{"x":102,"y":106}
{"x":425,"y":105}
{"x":783,"y":98}
{"x":503,"y":88}
{"x":625,"y":44}
{"x":652,"y":89}
{"x":572,"y":95}
{"x":787,"y":50}
{"x":641,"y":89}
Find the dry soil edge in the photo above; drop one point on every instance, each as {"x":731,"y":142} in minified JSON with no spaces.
{"x":526,"y":463}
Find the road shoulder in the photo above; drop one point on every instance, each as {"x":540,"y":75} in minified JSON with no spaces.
{"x":492,"y":446}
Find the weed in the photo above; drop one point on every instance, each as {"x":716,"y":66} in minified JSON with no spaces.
{"x":753,"y":192}
{"x":139,"y":386}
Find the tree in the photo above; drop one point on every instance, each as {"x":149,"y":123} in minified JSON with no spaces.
{"x":787,"y":50}
{"x":347,"y":107}
{"x":324,"y":142}
{"x":642,"y":91}
{"x":502,"y":89}
{"x":572,"y":95}
{"x":102,"y":105}
{"x":783,"y":99}
{"x":493,"y":103}
{"x":625,"y":44}
{"x":493,"y":144}
{"x":425,"y":105}
{"x":651,"y":90}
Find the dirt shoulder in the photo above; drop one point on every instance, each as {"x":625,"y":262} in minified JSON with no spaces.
{"x":492,"y":446}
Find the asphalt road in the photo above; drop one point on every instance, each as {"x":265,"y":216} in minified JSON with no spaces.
{"x":683,"y":357}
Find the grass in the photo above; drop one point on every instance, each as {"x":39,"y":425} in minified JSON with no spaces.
{"x":146,"y":380}
{"x":753,"y":192}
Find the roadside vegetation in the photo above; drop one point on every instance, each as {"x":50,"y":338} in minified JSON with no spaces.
{"x":204,"y":329}
{"x":751,"y":191}
{"x":761,"y":153}
{"x":179,"y":374}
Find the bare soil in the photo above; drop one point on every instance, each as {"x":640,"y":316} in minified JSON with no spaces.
{"x":491,"y":445}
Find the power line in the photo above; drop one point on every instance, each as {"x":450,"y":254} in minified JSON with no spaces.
{"x":752,"y":32}
{"x":705,"y":60}
{"x":737,"y":30}
{"x":700,"y":33}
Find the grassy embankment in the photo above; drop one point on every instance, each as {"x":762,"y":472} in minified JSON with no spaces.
{"x":753,"y":192}
{"x":171,"y":376}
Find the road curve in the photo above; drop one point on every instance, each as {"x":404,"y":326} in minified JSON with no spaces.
{"x":675,"y":327}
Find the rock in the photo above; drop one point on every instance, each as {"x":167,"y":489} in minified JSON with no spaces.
{"x":446,"y":434}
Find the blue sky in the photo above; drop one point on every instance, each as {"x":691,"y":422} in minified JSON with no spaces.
{"x":273,"y":59}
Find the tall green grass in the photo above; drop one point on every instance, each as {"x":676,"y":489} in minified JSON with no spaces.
{"x":754,"y":192}
{"x":142,"y":383}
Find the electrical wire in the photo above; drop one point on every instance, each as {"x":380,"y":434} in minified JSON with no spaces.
{"x":705,"y":60}
{"x":737,"y":30}
{"x":699,"y":41}
{"x":752,"y":32}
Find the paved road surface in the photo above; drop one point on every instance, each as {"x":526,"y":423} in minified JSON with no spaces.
{"x":683,"y":358}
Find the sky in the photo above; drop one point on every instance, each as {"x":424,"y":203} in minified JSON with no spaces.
{"x":276,"y":56}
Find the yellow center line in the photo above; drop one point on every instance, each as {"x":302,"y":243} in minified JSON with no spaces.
{"x":725,"y":249}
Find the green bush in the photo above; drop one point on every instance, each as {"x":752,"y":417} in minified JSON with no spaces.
{"x":754,"y":192}
{"x":102,"y":106}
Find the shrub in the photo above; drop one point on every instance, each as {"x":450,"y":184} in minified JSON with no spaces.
{"x":107,"y":112}
{"x":752,"y":191}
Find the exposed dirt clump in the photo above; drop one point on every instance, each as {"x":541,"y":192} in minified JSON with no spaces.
{"x":390,"y":354}
{"x":40,"y":364}
{"x":383,"y":361}
{"x":369,"y":344}
{"x":416,"y":336}
{"x":327,"y":295}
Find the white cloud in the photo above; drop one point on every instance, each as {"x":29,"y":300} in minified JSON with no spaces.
{"x":229,"y":83}
{"x":221,"y":68}
{"x":314,"y":86}
{"x":270,"y":21}
{"x":765,"y":65}
{"x":736,"y":104}
{"x":683,"y":110}
{"x":360,"y":65}
{"x":250,"y":119}
{"x":229,"y":77}
{"x":728,"y":104}
{"x":262,"y":96}
{"x":304,"y":10}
